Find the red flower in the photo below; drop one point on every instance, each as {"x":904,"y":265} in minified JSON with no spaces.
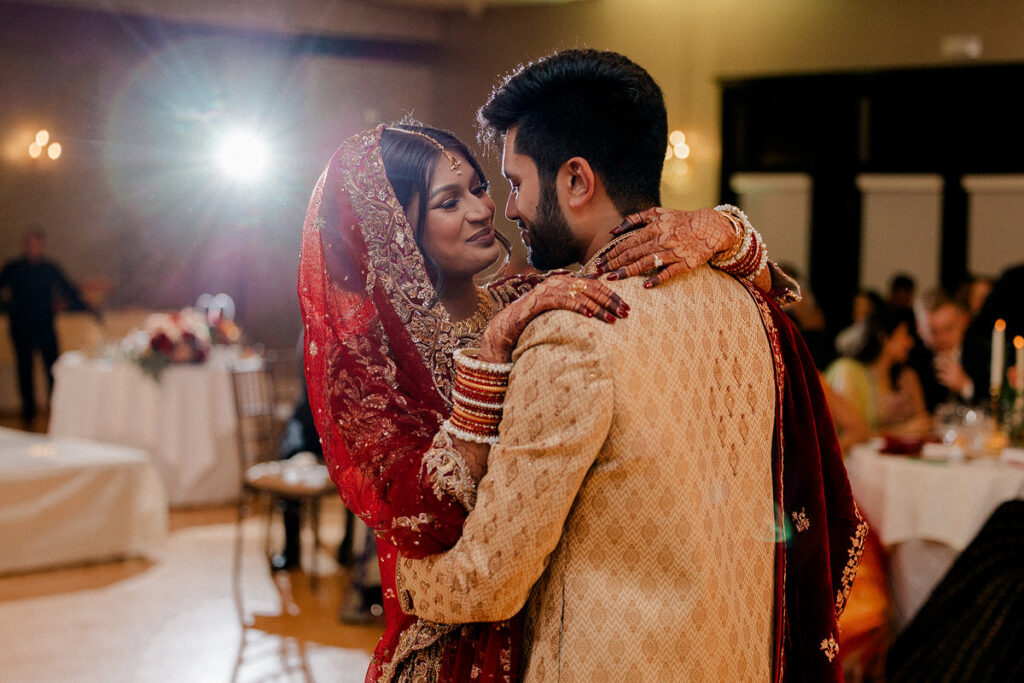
{"x":161,"y":342}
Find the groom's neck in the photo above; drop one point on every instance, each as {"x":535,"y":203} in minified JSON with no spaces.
{"x":595,"y":231}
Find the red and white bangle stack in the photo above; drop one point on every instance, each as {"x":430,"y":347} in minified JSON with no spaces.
{"x":751,"y":256}
{"x":478,"y":397}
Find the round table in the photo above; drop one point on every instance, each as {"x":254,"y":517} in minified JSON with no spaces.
{"x":185,"y":421}
{"x":925,"y":512}
{"x":69,"y":501}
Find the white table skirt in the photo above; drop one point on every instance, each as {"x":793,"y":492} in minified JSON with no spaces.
{"x":70,"y":501}
{"x":186,"y":421}
{"x":926,"y":512}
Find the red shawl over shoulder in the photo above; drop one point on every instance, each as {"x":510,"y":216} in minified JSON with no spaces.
{"x":820,"y":531}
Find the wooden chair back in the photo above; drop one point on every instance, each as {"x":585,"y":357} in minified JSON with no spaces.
{"x":287,"y":381}
{"x":259,"y":429}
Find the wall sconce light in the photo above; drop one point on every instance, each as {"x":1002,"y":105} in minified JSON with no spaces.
{"x":677,"y":168}
{"x":42,"y":142}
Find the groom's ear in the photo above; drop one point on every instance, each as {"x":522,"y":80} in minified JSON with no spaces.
{"x":577,"y":181}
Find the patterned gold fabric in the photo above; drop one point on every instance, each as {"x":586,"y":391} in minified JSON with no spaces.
{"x":630,"y":496}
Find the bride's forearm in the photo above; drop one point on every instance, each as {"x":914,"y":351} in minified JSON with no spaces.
{"x":475,"y":457}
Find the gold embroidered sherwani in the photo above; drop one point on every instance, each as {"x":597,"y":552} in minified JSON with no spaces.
{"x":629,"y":501}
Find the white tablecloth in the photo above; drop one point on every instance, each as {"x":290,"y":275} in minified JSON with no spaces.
{"x":186,"y":421}
{"x":926,"y":512}
{"x":69,"y":501}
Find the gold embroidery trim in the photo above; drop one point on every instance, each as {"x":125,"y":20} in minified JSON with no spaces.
{"x":394,"y":260}
{"x":786,"y":290}
{"x":800,"y":520}
{"x":590,"y":267}
{"x":448,"y":472}
{"x":774,"y":342}
{"x":830,"y":647}
{"x":416,"y":657}
{"x":413,"y":523}
{"x":850,"y":570}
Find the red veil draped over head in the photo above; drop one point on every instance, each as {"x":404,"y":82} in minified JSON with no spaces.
{"x":378,"y":356}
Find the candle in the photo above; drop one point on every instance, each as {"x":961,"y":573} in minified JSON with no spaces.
{"x":998,"y":355}
{"x":1018,"y":344}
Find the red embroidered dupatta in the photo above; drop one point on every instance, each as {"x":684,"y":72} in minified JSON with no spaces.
{"x":378,"y":357}
{"x":821,"y":532}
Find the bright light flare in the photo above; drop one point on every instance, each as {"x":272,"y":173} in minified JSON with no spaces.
{"x":54,"y":150}
{"x":34,"y":150}
{"x":243,"y":155}
{"x":42,"y":137}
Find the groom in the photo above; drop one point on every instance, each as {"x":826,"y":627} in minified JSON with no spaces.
{"x":633,"y":498}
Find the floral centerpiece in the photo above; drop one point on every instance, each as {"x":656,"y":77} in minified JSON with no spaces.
{"x":180,"y":337}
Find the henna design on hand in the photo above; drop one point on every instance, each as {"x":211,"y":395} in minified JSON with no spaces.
{"x":669,"y":241}
{"x":586,"y":296}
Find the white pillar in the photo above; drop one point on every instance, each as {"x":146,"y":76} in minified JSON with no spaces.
{"x":995,"y":222}
{"x":779,"y":206}
{"x":901,"y":229}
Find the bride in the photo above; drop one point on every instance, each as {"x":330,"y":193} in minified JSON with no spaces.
{"x":399,"y":226}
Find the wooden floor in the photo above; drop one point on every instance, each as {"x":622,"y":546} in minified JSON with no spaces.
{"x":173,"y":618}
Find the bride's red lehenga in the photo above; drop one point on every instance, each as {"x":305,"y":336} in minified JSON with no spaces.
{"x":378,"y":355}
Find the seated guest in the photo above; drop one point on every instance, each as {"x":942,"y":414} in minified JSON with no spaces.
{"x":850,"y":426}
{"x":865,"y":303}
{"x":876,"y":381}
{"x":944,"y":327}
{"x":973,"y":293}
{"x":300,"y":436}
{"x":901,"y":292}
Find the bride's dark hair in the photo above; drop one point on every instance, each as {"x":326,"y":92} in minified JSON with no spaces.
{"x":409,"y":165}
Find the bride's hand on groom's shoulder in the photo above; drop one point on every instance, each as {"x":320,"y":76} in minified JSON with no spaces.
{"x":670,"y":241}
{"x":584,"y":295}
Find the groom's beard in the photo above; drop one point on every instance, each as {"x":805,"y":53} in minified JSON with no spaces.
{"x":552,"y":244}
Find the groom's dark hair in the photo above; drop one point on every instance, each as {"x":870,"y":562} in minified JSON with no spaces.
{"x":597,"y":105}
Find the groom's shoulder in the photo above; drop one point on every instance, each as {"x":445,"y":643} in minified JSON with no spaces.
{"x":561,"y":328}
{"x":700,"y":289}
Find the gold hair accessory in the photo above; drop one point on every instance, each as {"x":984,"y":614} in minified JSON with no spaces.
{"x":453,"y":163}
